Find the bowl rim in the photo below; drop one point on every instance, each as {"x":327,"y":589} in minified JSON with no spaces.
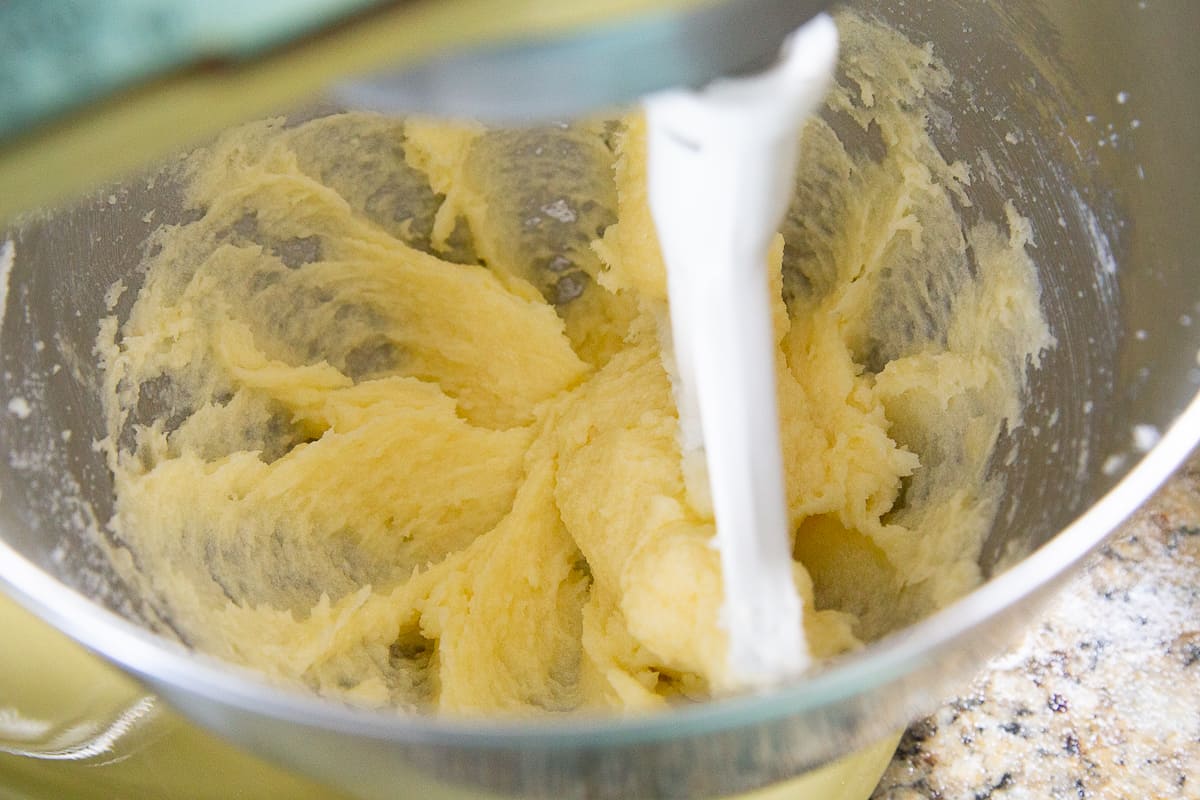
{"x":170,"y":665}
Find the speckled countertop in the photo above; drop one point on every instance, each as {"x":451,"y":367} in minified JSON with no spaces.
{"x":1101,"y":699}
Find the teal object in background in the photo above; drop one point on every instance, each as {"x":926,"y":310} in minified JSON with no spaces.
{"x":58,"y":54}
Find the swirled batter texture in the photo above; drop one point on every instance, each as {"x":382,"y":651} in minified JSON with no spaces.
{"x":390,"y":419}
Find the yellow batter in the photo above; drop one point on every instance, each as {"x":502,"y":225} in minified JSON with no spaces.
{"x":389,"y":417}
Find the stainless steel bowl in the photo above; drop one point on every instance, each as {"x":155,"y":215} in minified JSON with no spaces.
{"x":1091,"y":117}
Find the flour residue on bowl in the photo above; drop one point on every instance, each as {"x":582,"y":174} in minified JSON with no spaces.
{"x":389,"y":418}
{"x":8,"y":254}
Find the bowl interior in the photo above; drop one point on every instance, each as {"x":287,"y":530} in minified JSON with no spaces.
{"x":1050,"y":107}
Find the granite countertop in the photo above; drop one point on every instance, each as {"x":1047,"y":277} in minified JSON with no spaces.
{"x":1101,"y":698}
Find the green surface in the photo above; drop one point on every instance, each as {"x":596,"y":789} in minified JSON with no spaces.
{"x":74,"y":728}
{"x":56,"y":54}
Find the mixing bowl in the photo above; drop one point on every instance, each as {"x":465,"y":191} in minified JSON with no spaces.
{"x":1088,"y":118}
